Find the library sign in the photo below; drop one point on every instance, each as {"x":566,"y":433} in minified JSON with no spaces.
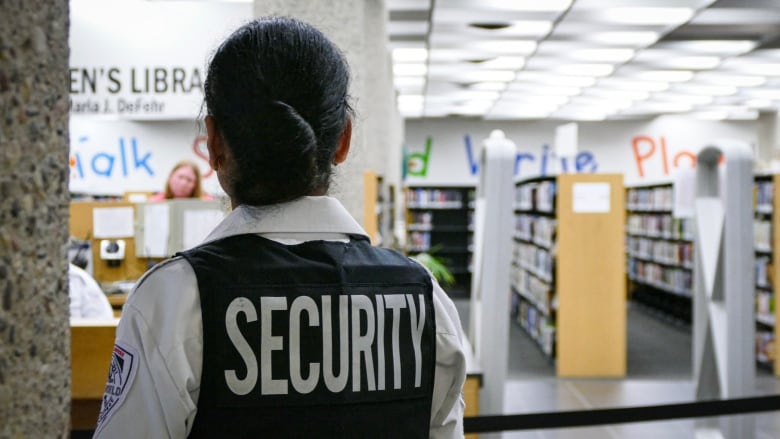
{"x":136,"y":91}
{"x":145,"y":60}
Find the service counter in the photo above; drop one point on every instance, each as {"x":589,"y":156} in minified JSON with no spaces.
{"x":91,"y":343}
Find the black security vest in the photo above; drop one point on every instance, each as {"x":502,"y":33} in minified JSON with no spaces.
{"x":315,"y":340}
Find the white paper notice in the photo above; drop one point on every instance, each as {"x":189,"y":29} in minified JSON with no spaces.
{"x":156,"y":230}
{"x":590,"y":198}
{"x":684,"y":193}
{"x":112,"y":222}
{"x":198,"y":223}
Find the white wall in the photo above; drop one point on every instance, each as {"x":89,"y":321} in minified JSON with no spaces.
{"x":644,"y":151}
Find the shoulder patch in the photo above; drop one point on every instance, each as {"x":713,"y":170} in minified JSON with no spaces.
{"x":120,"y":377}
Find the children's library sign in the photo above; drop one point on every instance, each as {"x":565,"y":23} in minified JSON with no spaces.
{"x":114,"y":157}
{"x":145,"y":60}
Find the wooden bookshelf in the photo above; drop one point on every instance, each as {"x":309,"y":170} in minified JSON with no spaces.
{"x":371,"y":205}
{"x":569,"y":290}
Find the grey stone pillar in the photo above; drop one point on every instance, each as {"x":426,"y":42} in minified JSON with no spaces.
{"x":358,"y":27}
{"x":34,"y":329}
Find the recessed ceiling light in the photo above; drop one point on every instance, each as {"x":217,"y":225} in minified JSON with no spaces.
{"x":411,"y":99}
{"x":759,"y":103}
{"x":613,"y":55}
{"x":624,"y":38}
{"x":689,"y":62}
{"x":710,"y":115}
{"x":633,"y":84}
{"x":586,"y":69}
{"x":718,"y":78}
{"x":484,"y":76}
{"x":551,"y":79}
{"x":584,"y":114}
{"x":659,"y":107}
{"x":766,"y":69}
{"x":634,"y":95}
{"x":666,"y":75}
{"x":597,"y":102}
{"x":402,"y":55}
{"x":713,"y":47}
{"x":523,"y":98}
{"x":409,"y":81}
{"x":544,"y":89}
{"x":409,"y":69}
{"x":489,"y":86}
{"x":704,"y":89}
{"x":648,"y":15}
{"x":526,"y":5}
{"x":509,"y":47}
{"x":692,"y":99}
{"x":504,"y":62}
{"x":761,"y":93}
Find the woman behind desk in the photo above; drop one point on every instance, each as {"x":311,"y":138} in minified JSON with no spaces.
{"x":182,"y":182}
{"x":285,"y":322}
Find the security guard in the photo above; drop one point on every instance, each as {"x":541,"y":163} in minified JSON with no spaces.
{"x":285,"y":322}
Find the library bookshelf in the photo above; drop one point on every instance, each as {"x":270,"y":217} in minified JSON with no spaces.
{"x":568,"y":290}
{"x":440,"y":220}
{"x":765,"y":239}
{"x":659,"y":251}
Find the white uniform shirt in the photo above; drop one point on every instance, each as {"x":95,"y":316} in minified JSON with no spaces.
{"x":87,"y":299}
{"x":160,"y":333}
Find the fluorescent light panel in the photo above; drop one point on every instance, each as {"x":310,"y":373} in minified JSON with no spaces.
{"x":623,"y":38}
{"x":647,"y":15}
{"x":409,"y":54}
{"x":508,"y":47}
{"x":719,"y":78}
{"x":712,"y":47}
{"x":665,"y":75}
{"x":586,"y":69}
{"x":409,"y":69}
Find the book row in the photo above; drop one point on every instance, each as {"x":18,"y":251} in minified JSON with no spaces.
{"x":434,"y":197}
{"x":652,"y":199}
{"x":660,"y":226}
{"x":664,"y":252}
{"x":675,"y":280}
{"x":763,"y":272}
{"x":538,"y":229}
{"x":765,"y":346}
{"x":534,"y":259}
{"x":763,"y":196}
{"x":765,"y":307}
{"x":538,"y":196}
{"x":536,"y":324}
{"x":532,"y":288}
{"x":762,"y":235}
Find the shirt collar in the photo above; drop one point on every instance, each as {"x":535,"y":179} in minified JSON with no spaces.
{"x":315,"y":215}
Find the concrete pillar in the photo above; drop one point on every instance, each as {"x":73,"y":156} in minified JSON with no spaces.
{"x":358,"y":28}
{"x":34,"y":329}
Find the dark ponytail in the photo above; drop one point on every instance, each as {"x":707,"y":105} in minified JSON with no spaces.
{"x":277,"y":90}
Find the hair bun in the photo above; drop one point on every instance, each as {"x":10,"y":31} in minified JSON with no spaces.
{"x":289,"y":142}
{"x":284,"y":118}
